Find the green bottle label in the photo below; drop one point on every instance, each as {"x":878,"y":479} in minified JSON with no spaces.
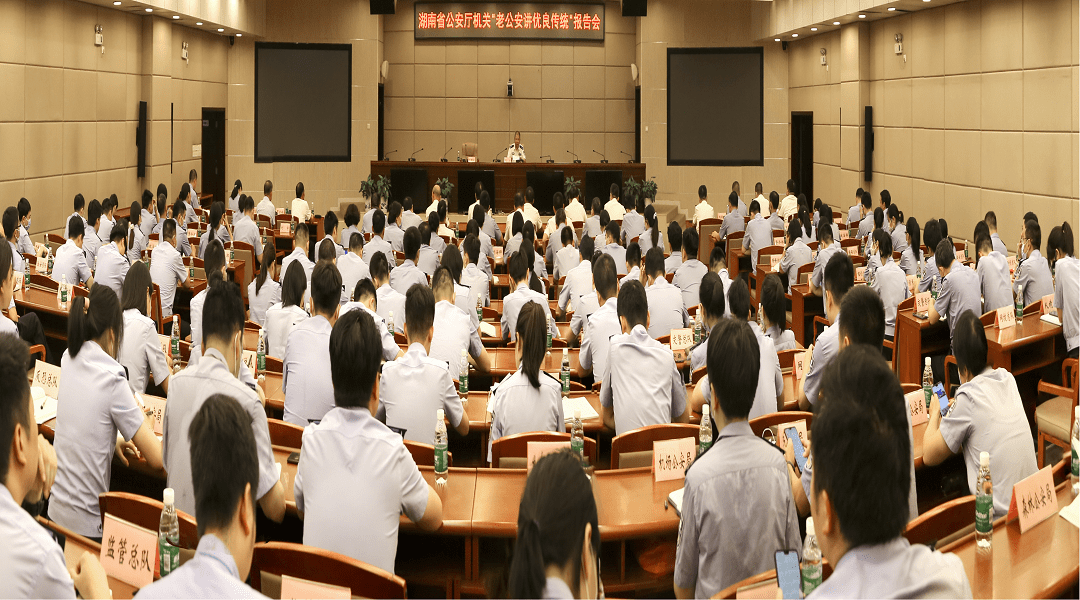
{"x":63,"y":295}
{"x":577,"y":446}
{"x":703,"y":446}
{"x":1075,"y":462}
{"x":169,"y":556}
{"x":811,"y":578}
{"x":463,"y":384}
{"x":261,"y":361}
{"x":928,"y":392}
{"x":984,"y":513}
{"x":440,"y":458}
{"x":565,"y":381}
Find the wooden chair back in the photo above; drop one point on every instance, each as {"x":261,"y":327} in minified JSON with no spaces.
{"x":734,"y":241}
{"x":760,"y":424}
{"x":55,"y":239}
{"x":705,"y":243}
{"x":424,"y":454}
{"x":698,"y":373}
{"x":41,"y":281}
{"x":146,"y":512}
{"x":155,"y":308}
{"x":517,"y":447}
{"x":804,"y":272}
{"x":634,"y":448}
{"x":323,"y":566}
{"x":285,"y":434}
{"x":941,"y":521}
{"x":787,"y":357}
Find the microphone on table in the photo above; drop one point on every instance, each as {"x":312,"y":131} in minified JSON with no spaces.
{"x":548,"y":157}
{"x":387,"y":155}
{"x":412,"y":157}
{"x":496,"y":159}
{"x":603,"y":159}
{"x":576,"y":159}
{"x":443,"y":159}
{"x":630,"y":155}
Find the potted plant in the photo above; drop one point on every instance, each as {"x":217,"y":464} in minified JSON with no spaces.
{"x":631,"y":188}
{"x":649,"y":189}
{"x":571,"y":183}
{"x":445,"y":187}
{"x":375,"y":188}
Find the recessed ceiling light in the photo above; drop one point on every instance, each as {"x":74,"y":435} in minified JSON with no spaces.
{"x":862,"y":16}
{"x":794,"y":35}
{"x":239,"y":35}
{"x":892,"y":8}
{"x":777,"y":39}
{"x":176,"y":16}
{"x":199,"y":23}
{"x":836,"y":22}
{"x":149,"y":10}
{"x":813,"y":29}
{"x":220,"y":30}
{"x":117,"y":3}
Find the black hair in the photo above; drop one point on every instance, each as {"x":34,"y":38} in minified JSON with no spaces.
{"x":10,"y":221}
{"x":983,"y":244}
{"x":419,"y":311}
{"x":711,"y":295}
{"x":653,"y":225}
{"x":596,"y":207}
{"x":299,"y":189}
{"x":161,"y":202}
{"x":478,"y":188}
{"x":690,"y":242}
{"x":884,"y":242}
{"x":213,"y":261}
{"x":14,"y":395}
{"x":738,"y":298}
{"x":931,"y":235}
{"x":755,"y":207}
{"x":990,"y":219}
{"x":268,"y":187}
{"x":1060,"y":238}
{"x":147,"y":199}
{"x":807,"y":222}
{"x":654,"y":262}
{"x":451,"y":261}
{"x":178,"y":209}
{"x":352,"y":215}
{"x":605,"y":218}
{"x":916,"y":237}
{"x":867,"y":200}
{"x":411,"y":243}
{"x":774,"y":200}
{"x":969,"y":343}
{"x":674,"y":236}
{"x":824,"y":232}
{"x":137,"y":284}
{"x":605,"y":276}
{"x":223,"y":312}
{"x":517,"y":267}
{"x":702,"y":192}
{"x":733,"y":199}
{"x":406,"y":203}
{"x":268,"y":256}
{"x":517,"y":223}
{"x":168,"y":229}
{"x":733,"y":361}
{"x":557,"y":200}
{"x":945,"y":254}
{"x":330,"y":223}
{"x":88,"y":323}
{"x":981,"y":228}
{"x":302,"y":236}
{"x":1033,"y":233}
{"x":363,"y":289}
{"x":613,"y":191}
{"x":76,"y":228}
{"x":478,"y":216}
{"x":886,"y":198}
{"x":794,"y":231}
{"x":566,"y":236}
{"x":633,"y":254}
{"x":93,"y":212}
{"x":862,"y":317}
{"x":612,"y":231}
{"x":633,"y":304}
{"x":531,"y":336}
{"x":944,"y":228}
{"x":356,"y":242}
{"x":472,"y":247}
{"x":433,"y":221}
{"x":217,"y":210}
{"x":555,"y":507}
{"x":182,"y":196}
{"x":530,"y":195}
{"x":7,"y":262}
{"x":237,"y":186}
{"x":485,"y":200}
{"x":717,"y":257}
{"x":393,"y":212}
{"x":442,"y":285}
{"x":79,"y":202}
{"x":773,"y":300}
{"x":378,"y":222}
{"x":879,"y":218}
{"x":519,"y":200}
{"x":586,"y":247}
{"x":293,"y":284}
{"x":379,"y":267}
{"x":896,"y":214}
{"x":861,"y":394}
{"x":791,"y":187}
{"x":135,"y":217}
{"x":325,"y":287}
{"x":221,"y":428}
{"x":838,"y":276}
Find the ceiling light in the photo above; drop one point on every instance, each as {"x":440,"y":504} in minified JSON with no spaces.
{"x":892,"y":8}
{"x":794,"y":35}
{"x":862,"y":16}
{"x":220,"y":30}
{"x":176,"y":16}
{"x":813,"y":29}
{"x":199,"y":23}
{"x":239,"y":35}
{"x":117,"y":3}
{"x":149,"y":10}
{"x":836,"y":22}
{"x":777,"y":39}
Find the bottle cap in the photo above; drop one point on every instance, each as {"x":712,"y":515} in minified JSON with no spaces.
{"x":810,"y":527}
{"x":577,"y":413}
{"x":463,"y":352}
{"x":565,"y":352}
{"x":984,"y":459}
{"x":704,"y":410}
{"x":168,"y":497}
{"x":440,"y":415}
{"x":928,"y":358}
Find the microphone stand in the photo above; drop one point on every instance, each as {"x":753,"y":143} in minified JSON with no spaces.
{"x":387,"y":155}
{"x":603,"y":159}
{"x":412,"y":157}
{"x":576,"y":159}
{"x":631,"y":161}
{"x":443,"y":159}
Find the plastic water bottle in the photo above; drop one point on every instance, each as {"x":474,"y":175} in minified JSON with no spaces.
{"x":984,"y":503}
{"x":168,"y":535}
{"x":760,"y":321}
{"x":811,"y":560}
{"x":48,"y":252}
{"x":26,"y":277}
{"x":697,"y":327}
{"x":1075,"y":469}
{"x":934,"y":286}
{"x":63,"y":290}
{"x":479,"y":308}
{"x":921,"y":270}
{"x":928,"y":382}
{"x":260,"y":355}
{"x":564,"y":372}
{"x":174,"y":345}
{"x":549,"y":329}
{"x":1019,"y":302}
{"x":577,"y":434}
{"x":463,"y":374}
{"x":704,"y":431}
{"x":390,"y":322}
{"x":441,"y":468}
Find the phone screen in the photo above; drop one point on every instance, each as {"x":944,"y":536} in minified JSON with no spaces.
{"x":943,"y":402}
{"x":788,"y":576}
{"x":793,"y":438}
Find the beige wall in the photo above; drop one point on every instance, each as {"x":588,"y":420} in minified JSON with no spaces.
{"x":440,"y":94}
{"x":314,"y":21}
{"x":983,"y":115}
{"x":68,"y":113}
{"x":691,"y":23}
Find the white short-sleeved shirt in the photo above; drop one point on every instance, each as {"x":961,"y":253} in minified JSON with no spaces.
{"x":309,"y":388}
{"x":31,"y":562}
{"x":247,"y":231}
{"x":406,"y":276}
{"x":188,"y":390}
{"x":591,"y":227}
{"x":479,"y":282}
{"x":259,"y":301}
{"x":645,"y":241}
{"x":512,"y":305}
{"x":615,"y":209}
{"x":899,"y":238}
{"x":633,"y":225}
{"x":71,"y":262}
{"x":221,"y":236}
{"x":26,"y":245}
{"x":266,"y":208}
{"x":666,"y":310}
{"x":688,"y":279}
{"x":994,"y":281}
{"x":280,"y":322}
{"x":517,"y":407}
{"x":196,"y":306}
{"x":300,"y":209}
{"x":427,"y":259}
{"x":91,"y":245}
{"x":167,"y":270}
{"x":586,"y":306}
{"x":94,"y":402}
{"x":566,"y":259}
{"x":387,"y":301}
{"x":999,"y":246}
{"x":734,"y":222}
{"x":703,"y":210}
{"x":770,"y":382}
{"x":454,"y":330}
{"x":135,"y":250}
{"x":105,"y":225}
{"x":895,"y":569}
{"x":512,"y":245}
{"x":795,"y":256}
{"x":1034,"y":275}
{"x":783,"y":340}
{"x":147,"y":222}
{"x":141,"y":352}
{"x":758,"y":235}
{"x":1067,"y":299}
{"x":346,"y":235}
{"x":378,"y":244}
{"x":890,"y":283}
{"x":354,"y":479}
{"x":411,"y":389}
{"x":822,"y":259}
{"x":737,"y":512}
{"x":390,"y":347}
{"x":825,"y":348}
{"x":960,"y":292}
{"x":987,"y":414}
{"x":618,"y":254}
{"x":634,"y":274}
{"x":909,"y":262}
{"x":352,"y":268}
{"x":578,"y":283}
{"x":395,"y":235}
{"x":298,"y":254}
{"x":642,"y":383}
{"x":673,"y":262}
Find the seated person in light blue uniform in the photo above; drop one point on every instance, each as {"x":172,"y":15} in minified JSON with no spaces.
{"x":112,"y":260}
{"x":377,"y":244}
{"x":827,"y":246}
{"x":797,"y":252}
{"x":931,"y":237}
{"x":733,"y":222}
{"x":866,"y":223}
{"x":959,"y":293}
{"x":306,"y":364}
{"x":407,"y":273}
{"x":897,"y":229}
{"x":643,"y":385}
{"x":994,"y":278}
{"x":517,"y":268}
{"x":215,"y":230}
{"x":838,"y":279}
{"x":264,"y":291}
{"x":774,"y":316}
{"x":1059,"y":246}
{"x":613,"y":248}
{"x":31,"y":562}
{"x":889,"y":281}
{"x":225,"y":501}
{"x":911,"y":257}
{"x":651,"y":237}
{"x":758,"y":233}
{"x":688,"y":276}
{"x":674,"y":259}
{"x":864,"y":540}
{"x":414,"y":386}
{"x":558,"y":536}
{"x":633,"y":265}
{"x":1033,"y":274}
{"x":141,"y":351}
{"x":603,"y":323}
{"x":579,"y":280}
{"x":666,"y":311}
{"x":737,"y":508}
{"x":355,"y":477}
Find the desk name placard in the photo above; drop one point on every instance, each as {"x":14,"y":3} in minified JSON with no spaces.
{"x":128,"y":552}
{"x":1033,"y":499}
{"x":671,"y":458}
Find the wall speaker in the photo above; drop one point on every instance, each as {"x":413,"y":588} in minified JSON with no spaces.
{"x":635,"y":8}
{"x":868,"y":143}
{"x":383,"y":7}
{"x":140,"y":141}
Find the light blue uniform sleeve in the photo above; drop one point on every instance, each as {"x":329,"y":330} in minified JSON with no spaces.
{"x":686,"y":552}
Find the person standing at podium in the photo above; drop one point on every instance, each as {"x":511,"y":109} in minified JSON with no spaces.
{"x":516,"y":152}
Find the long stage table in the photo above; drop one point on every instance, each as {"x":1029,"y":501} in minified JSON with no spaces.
{"x":509,"y":177}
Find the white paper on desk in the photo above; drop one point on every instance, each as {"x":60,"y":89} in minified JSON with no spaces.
{"x":1051,"y":319}
{"x":487,"y":329}
{"x":674,"y":499}
{"x":1072,"y":512}
{"x":579,"y":403}
{"x":44,"y":406}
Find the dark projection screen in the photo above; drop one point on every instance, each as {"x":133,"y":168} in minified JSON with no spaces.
{"x":303,"y":102}
{"x":715,"y":110}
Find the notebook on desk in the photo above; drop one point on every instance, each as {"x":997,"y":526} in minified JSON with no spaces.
{"x":587,"y":411}
{"x":1051,"y":319}
{"x":674,"y":500}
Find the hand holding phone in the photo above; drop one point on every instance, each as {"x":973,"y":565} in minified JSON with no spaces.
{"x":797,"y":447}
{"x":788,"y":576}
{"x":943,"y":401}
